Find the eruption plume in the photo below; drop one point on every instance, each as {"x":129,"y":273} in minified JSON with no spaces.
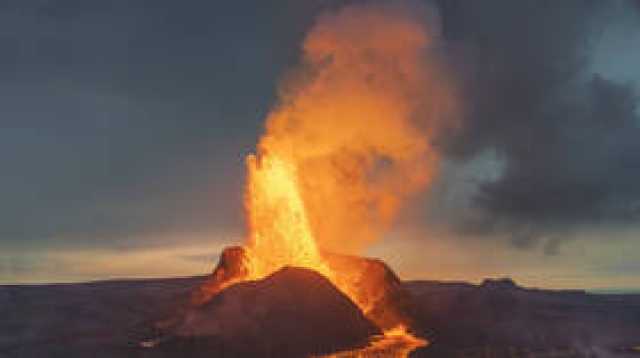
{"x":352,"y":136}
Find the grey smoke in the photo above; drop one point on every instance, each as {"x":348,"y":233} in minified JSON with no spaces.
{"x":569,"y":136}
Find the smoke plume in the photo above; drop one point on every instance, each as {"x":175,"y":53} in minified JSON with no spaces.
{"x":566,"y":132}
{"x":359,"y":117}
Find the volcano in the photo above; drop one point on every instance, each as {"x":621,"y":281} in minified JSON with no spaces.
{"x":347,"y":145}
{"x":376,"y":286}
{"x":292,"y":312}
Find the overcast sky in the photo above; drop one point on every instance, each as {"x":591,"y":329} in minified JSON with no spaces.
{"x":124,"y":126}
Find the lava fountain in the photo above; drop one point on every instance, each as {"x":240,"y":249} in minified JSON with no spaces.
{"x":349,"y":142}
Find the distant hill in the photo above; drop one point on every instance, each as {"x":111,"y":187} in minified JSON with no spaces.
{"x":616,"y":291}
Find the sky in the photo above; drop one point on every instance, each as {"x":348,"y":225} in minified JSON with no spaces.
{"x":124,"y":127}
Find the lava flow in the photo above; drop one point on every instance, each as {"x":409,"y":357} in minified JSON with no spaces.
{"x":349,"y":142}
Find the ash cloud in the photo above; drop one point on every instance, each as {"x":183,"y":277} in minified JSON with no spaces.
{"x":109,"y":133}
{"x":568,"y":135}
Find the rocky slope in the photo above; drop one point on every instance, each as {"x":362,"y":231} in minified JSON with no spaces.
{"x":292,"y":313}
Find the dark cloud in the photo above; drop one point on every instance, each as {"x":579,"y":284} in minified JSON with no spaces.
{"x":569,"y":138}
{"x":120,"y":119}
{"x":125,"y":118}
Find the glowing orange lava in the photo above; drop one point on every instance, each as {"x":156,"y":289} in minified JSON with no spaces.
{"x":395,"y":343}
{"x":348,"y":144}
{"x":281,"y":236}
{"x":280,"y":231}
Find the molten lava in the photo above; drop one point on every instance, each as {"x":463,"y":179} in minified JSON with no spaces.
{"x":395,"y":343}
{"x":280,"y":231}
{"x":281,"y":236}
{"x":348,"y":144}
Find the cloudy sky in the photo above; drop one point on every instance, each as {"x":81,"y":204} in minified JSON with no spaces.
{"x":124,"y":126}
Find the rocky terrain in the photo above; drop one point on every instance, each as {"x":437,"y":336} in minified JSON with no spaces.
{"x":495,"y":319}
{"x":500,"y":319}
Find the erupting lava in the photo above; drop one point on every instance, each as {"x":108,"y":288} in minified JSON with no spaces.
{"x":348,"y":144}
{"x":281,"y":236}
{"x":280,"y":231}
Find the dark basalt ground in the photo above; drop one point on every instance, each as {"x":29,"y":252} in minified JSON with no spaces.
{"x":500,"y":319}
{"x":496,"y":319}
